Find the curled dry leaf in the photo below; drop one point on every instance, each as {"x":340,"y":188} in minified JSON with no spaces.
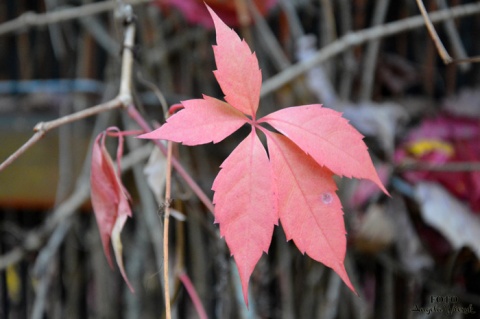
{"x":109,"y":199}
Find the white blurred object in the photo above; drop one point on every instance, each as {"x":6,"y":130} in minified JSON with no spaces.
{"x":155,"y":171}
{"x":453,"y":219}
{"x":379,"y":120}
{"x":317,"y":81}
{"x":466,"y":103}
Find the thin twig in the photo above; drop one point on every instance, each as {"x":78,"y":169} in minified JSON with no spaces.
{"x":272,"y":47}
{"x":370,"y":62}
{"x":473,"y":59}
{"x":135,"y":115}
{"x":168,"y":187}
{"x":360,"y":37}
{"x":447,"y":59}
{"x":187,"y":283}
{"x":348,"y":60}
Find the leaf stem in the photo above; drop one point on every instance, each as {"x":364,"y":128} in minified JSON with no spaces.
{"x":197,"y":303}
{"x":168,"y":184}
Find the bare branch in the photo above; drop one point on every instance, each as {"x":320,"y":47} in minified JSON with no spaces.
{"x":124,"y":99}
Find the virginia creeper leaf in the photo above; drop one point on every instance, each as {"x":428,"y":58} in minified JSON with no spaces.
{"x":328,"y":138}
{"x":237,"y":69}
{"x":201,"y":121}
{"x":109,"y":201}
{"x":295,"y":184}
{"x":309,"y":209}
{"x":245,"y":205}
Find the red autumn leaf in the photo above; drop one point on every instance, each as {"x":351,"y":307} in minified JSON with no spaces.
{"x":294,"y":182}
{"x":237,"y":69}
{"x":109,"y":200}
{"x":328,"y":138}
{"x":245,"y":205}
{"x":201,"y":121}
{"x":309,"y":209}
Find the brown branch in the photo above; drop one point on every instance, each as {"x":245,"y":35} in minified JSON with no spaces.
{"x":447,"y":59}
{"x":360,"y":37}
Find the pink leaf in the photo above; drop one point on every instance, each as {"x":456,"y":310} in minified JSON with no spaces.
{"x":202,"y":121}
{"x":328,"y":138}
{"x":309,"y":209}
{"x":109,"y":201}
{"x":237,"y":69}
{"x":245,"y":205}
{"x":251,"y":191}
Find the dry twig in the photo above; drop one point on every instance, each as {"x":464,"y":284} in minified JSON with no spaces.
{"x":446,"y":58}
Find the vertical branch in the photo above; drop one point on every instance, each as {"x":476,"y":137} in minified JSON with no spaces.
{"x":429,"y":59}
{"x":168,"y":184}
{"x":368,"y":75}
{"x":350,"y":65}
{"x":454,"y":37}
{"x":127,"y":61}
{"x":328,"y":33}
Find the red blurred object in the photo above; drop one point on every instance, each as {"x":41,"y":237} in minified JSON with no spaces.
{"x":445,"y":139}
{"x":196,"y":12}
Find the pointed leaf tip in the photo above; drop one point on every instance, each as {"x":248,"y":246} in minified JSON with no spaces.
{"x":238,"y":73}
{"x":245,"y":206}
{"x":328,"y":137}
{"x":309,"y":209}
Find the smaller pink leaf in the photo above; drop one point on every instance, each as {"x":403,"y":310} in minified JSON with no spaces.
{"x":237,"y":71}
{"x":109,"y":200}
{"x":328,"y":138}
{"x":309,"y":209}
{"x":202,"y":121}
{"x":245,"y":205}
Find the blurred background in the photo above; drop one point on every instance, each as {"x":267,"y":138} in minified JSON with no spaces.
{"x":412,"y":255}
